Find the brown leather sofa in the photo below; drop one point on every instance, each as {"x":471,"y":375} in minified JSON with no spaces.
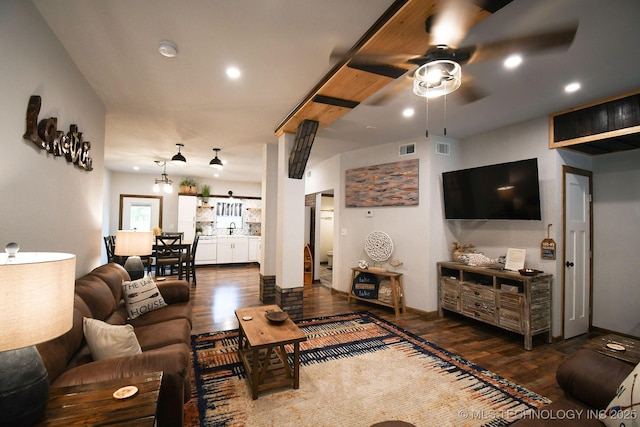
{"x":590,"y":381}
{"x":164,"y":336}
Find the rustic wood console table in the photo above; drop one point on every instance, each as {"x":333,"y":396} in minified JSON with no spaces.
{"x":501,"y":298}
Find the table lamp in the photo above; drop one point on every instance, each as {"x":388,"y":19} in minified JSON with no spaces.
{"x":134,"y":244}
{"x":36,"y":305}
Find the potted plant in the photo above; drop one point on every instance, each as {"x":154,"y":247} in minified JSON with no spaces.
{"x":206,"y":192}
{"x":188,"y":186}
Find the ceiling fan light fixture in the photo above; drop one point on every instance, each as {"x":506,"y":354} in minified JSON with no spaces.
{"x":437,"y":78}
{"x":179,"y":159}
{"x":216,"y":163}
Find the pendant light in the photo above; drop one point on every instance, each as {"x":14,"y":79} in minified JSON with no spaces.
{"x":165,"y":181}
{"x":179,"y":159}
{"x":216,"y":163}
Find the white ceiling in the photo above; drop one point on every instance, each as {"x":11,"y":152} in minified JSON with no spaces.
{"x":283,"y":49}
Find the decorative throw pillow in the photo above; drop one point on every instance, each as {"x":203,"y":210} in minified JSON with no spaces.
{"x":107,"y":341}
{"x":141,"y":296}
{"x":624,"y":409}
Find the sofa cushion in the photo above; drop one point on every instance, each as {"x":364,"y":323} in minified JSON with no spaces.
{"x":177,"y":331}
{"x":58,"y":352}
{"x":97,"y":295}
{"x":622,"y":410}
{"x":591,"y":377}
{"x":141,"y":296}
{"x":170,"y":312}
{"x":108,"y":341}
{"x":112,"y":274}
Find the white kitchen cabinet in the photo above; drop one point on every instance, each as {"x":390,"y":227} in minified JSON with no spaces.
{"x":206,"y":253}
{"x":232,"y":249}
{"x":187,"y":216}
{"x":255,"y":244}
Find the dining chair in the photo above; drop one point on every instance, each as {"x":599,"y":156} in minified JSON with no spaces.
{"x":168,"y":253}
{"x":110,"y":243}
{"x":192,"y":258}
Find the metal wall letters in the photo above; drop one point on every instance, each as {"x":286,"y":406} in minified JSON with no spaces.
{"x":47,"y":136}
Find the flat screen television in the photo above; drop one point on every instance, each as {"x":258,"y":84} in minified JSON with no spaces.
{"x":502,"y":191}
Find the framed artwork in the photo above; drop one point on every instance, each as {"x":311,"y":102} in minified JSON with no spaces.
{"x":388,"y":184}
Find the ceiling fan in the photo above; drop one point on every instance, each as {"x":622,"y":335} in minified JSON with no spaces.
{"x":438,"y":71}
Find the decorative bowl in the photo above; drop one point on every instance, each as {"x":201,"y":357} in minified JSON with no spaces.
{"x":529,"y":272}
{"x":276,"y":316}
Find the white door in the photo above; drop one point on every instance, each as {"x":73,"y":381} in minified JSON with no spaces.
{"x":577,"y":255}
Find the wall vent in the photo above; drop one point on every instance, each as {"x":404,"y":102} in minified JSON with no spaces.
{"x":442,"y":148}
{"x":408,"y":149}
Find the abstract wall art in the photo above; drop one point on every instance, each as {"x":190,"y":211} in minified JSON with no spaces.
{"x":388,"y":184}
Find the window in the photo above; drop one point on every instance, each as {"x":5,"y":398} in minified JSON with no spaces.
{"x":228,"y":213}
{"x":140,"y":217}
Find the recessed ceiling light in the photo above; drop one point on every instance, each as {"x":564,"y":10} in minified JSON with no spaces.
{"x":168,"y":49}
{"x":408,"y":112}
{"x":233,"y":72}
{"x":136,"y":168}
{"x":215,"y":175}
{"x":513,"y":61}
{"x":572,"y":87}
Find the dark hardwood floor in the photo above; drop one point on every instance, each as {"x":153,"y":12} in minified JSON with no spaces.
{"x":222,"y":289}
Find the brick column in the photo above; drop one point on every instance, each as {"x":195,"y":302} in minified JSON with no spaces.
{"x":267,"y":289}
{"x":290,"y":300}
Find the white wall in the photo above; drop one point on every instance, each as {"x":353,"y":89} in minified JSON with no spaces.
{"x":517,"y":142}
{"x":616,"y":212}
{"x":417,"y":233}
{"x":47,"y":204}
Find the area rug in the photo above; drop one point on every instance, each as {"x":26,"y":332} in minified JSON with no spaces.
{"x":356,"y":369}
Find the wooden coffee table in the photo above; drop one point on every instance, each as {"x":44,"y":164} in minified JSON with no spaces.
{"x":261,"y":347}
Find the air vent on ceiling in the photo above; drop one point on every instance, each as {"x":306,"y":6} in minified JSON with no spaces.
{"x":408,"y":149}
{"x":442,"y":148}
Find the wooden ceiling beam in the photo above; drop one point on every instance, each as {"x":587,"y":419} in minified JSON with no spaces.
{"x":400,"y":30}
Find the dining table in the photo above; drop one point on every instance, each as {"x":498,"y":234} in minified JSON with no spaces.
{"x":185,"y":247}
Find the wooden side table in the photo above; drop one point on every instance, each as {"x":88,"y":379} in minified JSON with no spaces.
{"x":261,"y":349}
{"x":630,"y":354}
{"x":94,"y":404}
{"x":397,"y":292}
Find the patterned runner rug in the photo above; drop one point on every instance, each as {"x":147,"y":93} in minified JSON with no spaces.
{"x":356,"y":370}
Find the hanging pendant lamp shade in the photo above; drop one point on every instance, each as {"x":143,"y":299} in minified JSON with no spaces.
{"x":216,"y":163}
{"x":179,"y":159}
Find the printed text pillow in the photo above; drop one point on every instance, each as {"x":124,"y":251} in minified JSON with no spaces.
{"x":141,"y":296}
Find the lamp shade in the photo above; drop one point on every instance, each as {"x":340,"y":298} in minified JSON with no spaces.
{"x":36,"y":297}
{"x":130,"y":243}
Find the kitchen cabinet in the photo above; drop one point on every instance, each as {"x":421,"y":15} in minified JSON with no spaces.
{"x":255,"y":248}
{"x":232,"y":249}
{"x":187,"y":217}
{"x":207,"y":251}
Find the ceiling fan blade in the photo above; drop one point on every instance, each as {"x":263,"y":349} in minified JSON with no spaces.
{"x":338,"y":55}
{"x":451,"y":22}
{"x":469,"y":91}
{"x":385,"y":96}
{"x":560,"y":38}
